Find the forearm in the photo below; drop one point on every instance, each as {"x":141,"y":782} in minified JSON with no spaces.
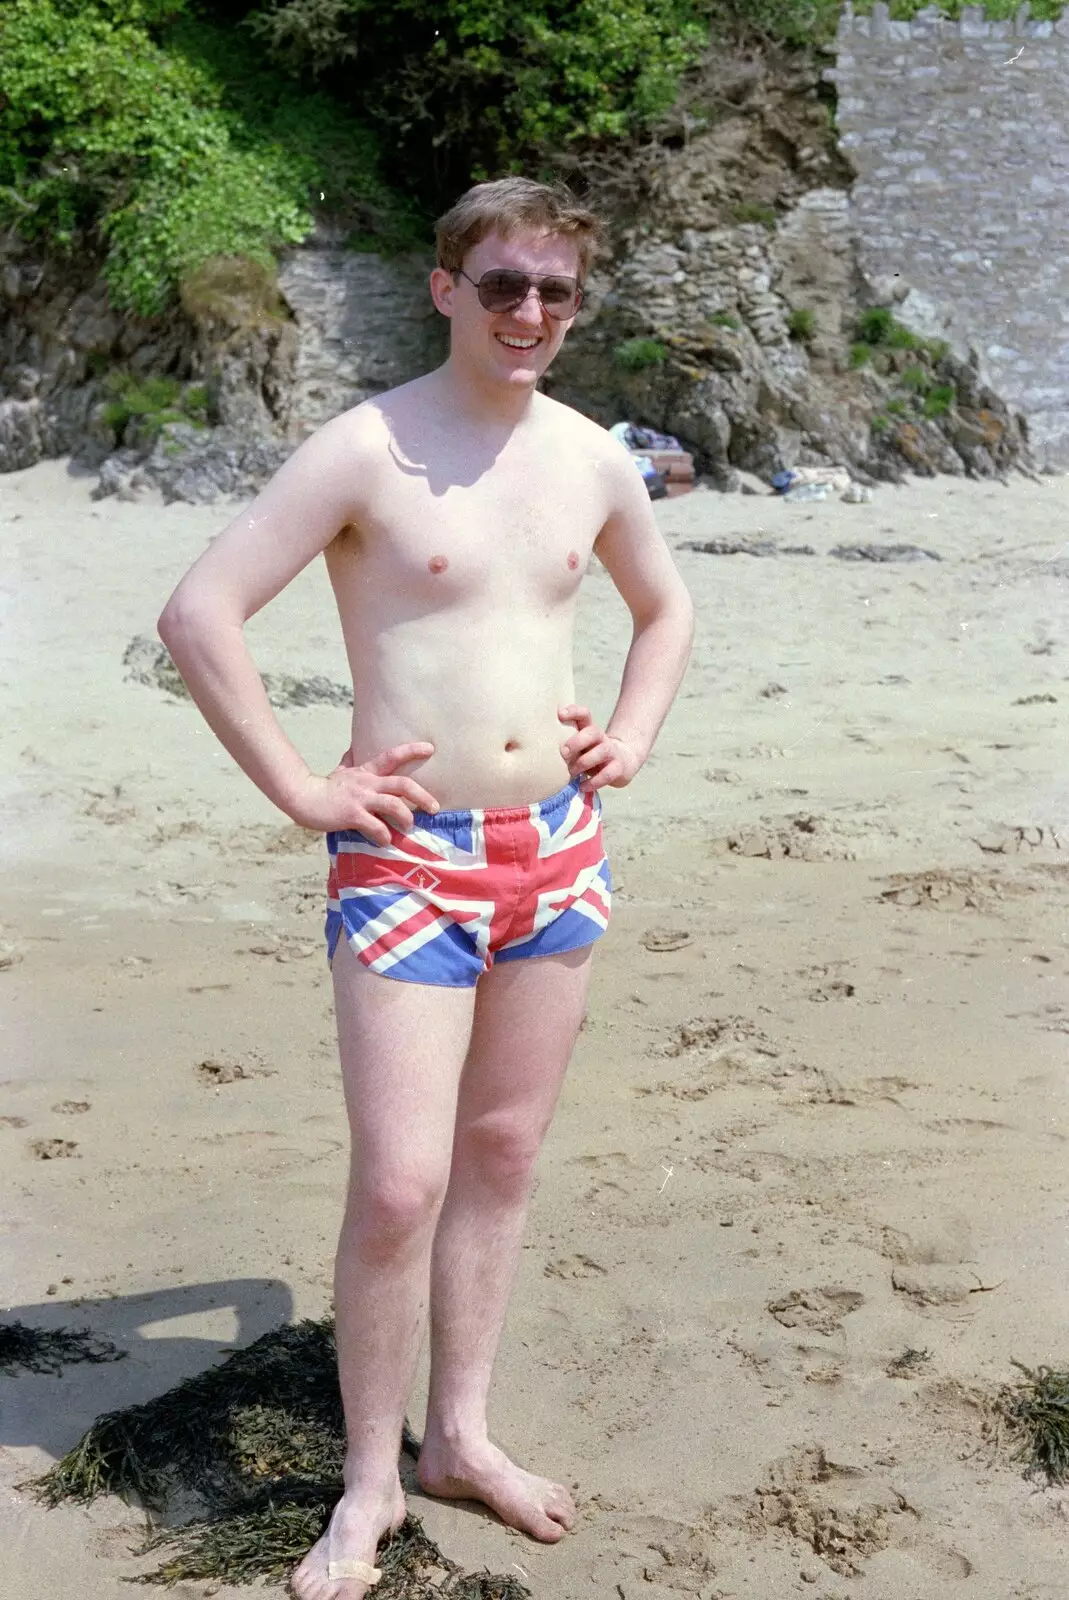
{"x":653,"y":671}
{"x":209,"y":650}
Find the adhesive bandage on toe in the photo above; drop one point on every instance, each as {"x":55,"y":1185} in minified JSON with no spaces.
{"x":354,"y":1569}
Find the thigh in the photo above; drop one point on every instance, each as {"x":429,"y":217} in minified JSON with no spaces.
{"x":402,"y":1048}
{"x":527,"y":1015}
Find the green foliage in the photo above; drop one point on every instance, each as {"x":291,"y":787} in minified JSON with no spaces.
{"x":915,"y":378}
{"x":939,"y":399}
{"x":795,"y":23}
{"x":633,"y":355}
{"x":802,"y":324}
{"x":725,"y":319}
{"x":467,"y":87}
{"x":155,"y":149}
{"x":897,"y":408}
{"x":754,"y":211}
{"x":860,"y":354}
{"x":996,"y":10}
{"x":880,"y":423}
{"x":154,"y":401}
{"x":874,"y":325}
{"x":877,"y":326}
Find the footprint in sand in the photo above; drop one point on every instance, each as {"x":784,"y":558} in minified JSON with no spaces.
{"x":52,"y":1149}
{"x":666,"y":938}
{"x":71,"y":1108}
{"x":12,"y":1122}
{"x":822,"y":1310}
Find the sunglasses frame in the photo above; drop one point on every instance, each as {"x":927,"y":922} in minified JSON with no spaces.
{"x":534,"y":280}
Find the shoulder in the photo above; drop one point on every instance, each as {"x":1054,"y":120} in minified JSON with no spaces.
{"x":585,"y":437}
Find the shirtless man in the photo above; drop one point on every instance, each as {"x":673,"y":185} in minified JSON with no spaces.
{"x":457,"y":515}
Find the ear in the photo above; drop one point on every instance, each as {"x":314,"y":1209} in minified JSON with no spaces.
{"x":443,"y":288}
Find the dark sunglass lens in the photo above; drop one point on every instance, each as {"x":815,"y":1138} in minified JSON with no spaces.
{"x":500,"y":291}
{"x":558,"y":292}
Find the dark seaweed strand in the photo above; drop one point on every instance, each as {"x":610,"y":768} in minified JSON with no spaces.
{"x":49,"y":1350}
{"x":209,"y":1433}
{"x":260,"y":1440}
{"x":1038,"y":1409}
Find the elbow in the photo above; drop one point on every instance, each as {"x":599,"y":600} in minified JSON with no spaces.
{"x":184,"y":615}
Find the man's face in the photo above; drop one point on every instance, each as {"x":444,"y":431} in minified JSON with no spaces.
{"x":512,"y":347}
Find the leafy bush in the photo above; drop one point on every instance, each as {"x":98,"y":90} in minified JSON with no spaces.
{"x":725,"y":319}
{"x":802,"y":324}
{"x":106,"y":132}
{"x":897,"y":408}
{"x":860,"y":354}
{"x":463,"y":88}
{"x":915,"y":378}
{"x":880,"y":423}
{"x":635,"y":354}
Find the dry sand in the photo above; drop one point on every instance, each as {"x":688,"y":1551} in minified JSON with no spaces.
{"x":824,"y":1123}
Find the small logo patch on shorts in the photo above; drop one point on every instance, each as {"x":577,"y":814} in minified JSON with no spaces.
{"x":421,"y":878}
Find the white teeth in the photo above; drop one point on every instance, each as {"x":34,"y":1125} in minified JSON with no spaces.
{"x":518,"y":344}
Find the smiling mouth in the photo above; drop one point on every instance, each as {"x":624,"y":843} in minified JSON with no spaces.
{"x":517,"y":342}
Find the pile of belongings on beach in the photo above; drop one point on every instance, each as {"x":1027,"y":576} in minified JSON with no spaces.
{"x":667,"y":468}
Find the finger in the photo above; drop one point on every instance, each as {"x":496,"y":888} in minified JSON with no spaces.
{"x":608,"y":775}
{"x":595,"y":758}
{"x":411,"y":791}
{"x":583,"y":740}
{"x":384,"y":763}
{"x":577,"y":714}
{"x":393,"y":808}
{"x":371,"y":827}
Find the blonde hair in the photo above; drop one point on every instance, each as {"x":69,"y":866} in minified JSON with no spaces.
{"x":508,"y":205}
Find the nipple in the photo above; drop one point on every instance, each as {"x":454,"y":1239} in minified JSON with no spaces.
{"x":438,"y":563}
{"x":573,"y":559}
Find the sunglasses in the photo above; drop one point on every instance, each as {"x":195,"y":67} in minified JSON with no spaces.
{"x":503,"y":290}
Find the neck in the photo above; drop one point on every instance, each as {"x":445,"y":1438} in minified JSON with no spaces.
{"x":480,"y":402}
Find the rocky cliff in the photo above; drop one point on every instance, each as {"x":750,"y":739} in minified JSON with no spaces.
{"x":731,"y":311}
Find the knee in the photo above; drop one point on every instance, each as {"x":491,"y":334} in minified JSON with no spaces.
{"x":387,"y":1215}
{"x":500,"y":1153}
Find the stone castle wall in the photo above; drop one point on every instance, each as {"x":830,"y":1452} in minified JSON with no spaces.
{"x":959,"y":134}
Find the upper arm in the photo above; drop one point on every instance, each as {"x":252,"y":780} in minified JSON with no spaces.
{"x":632,"y":548}
{"x":306,"y":504}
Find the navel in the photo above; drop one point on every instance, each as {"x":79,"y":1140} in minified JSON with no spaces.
{"x":573,"y":559}
{"x":438,"y":563}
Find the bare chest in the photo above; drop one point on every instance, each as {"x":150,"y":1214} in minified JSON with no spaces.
{"x":509,"y":541}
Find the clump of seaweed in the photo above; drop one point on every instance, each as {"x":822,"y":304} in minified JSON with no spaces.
{"x":49,"y":1350}
{"x":1038,"y":1410}
{"x":259,"y":1440}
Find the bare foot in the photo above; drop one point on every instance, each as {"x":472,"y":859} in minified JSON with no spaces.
{"x":353,"y":1535}
{"x":535,"y":1505}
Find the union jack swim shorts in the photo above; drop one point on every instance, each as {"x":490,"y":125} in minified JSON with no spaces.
{"x":464,"y":889}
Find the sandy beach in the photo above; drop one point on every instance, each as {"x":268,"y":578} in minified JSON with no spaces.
{"x":817,"y":1115}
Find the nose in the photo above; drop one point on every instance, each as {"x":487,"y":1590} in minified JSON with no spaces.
{"x":529,"y":309}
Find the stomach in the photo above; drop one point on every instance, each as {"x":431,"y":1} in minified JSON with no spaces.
{"x":486,"y":695}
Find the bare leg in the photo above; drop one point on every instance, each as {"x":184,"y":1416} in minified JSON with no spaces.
{"x":527,"y":1014}
{"x":402,"y":1048}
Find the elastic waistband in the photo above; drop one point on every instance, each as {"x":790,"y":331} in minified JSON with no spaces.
{"x":492,"y":814}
